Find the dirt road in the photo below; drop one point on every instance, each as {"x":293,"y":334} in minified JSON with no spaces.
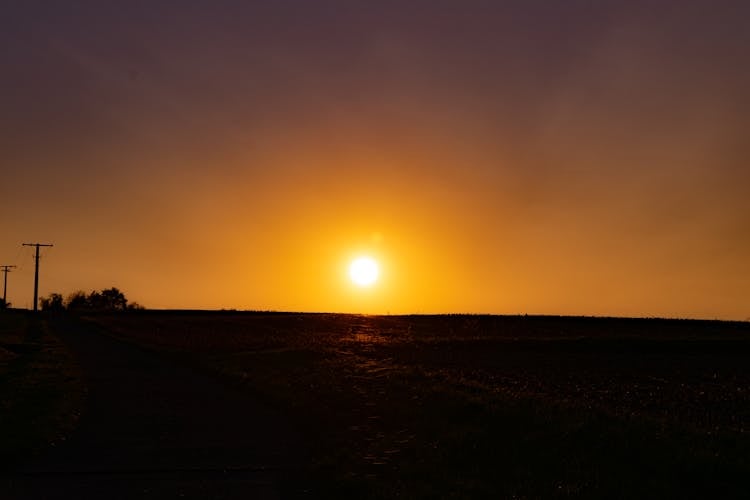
{"x":152,"y":428}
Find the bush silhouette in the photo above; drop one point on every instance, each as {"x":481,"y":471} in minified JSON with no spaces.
{"x":53,"y":303}
{"x":108,"y":300}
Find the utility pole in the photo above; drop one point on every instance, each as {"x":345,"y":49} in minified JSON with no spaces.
{"x":36,"y":271}
{"x":6,"y":270}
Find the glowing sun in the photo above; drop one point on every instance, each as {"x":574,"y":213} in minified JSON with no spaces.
{"x":363,"y":271}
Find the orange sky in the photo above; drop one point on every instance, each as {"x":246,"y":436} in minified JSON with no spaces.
{"x":497,"y":159}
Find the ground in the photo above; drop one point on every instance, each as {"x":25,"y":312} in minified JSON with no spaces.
{"x":152,"y":428}
{"x":320,"y":406}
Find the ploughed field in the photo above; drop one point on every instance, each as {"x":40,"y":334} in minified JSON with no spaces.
{"x":471,"y":406}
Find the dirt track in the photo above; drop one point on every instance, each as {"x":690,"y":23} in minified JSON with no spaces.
{"x":155,"y":429}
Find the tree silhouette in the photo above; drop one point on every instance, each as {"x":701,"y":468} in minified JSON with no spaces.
{"x":95,"y":301}
{"x":108,"y":300}
{"x":53,"y":303}
{"x":113,"y":299}
{"x":77,"y":301}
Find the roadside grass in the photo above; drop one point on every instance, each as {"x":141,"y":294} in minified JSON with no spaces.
{"x":439,"y":408}
{"x":41,"y":389}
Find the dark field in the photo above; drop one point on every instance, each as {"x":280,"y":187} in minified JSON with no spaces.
{"x":484,"y":406}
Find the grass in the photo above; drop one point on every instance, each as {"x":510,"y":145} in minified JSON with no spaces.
{"x":41,"y":389}
{"x":479,"y":407}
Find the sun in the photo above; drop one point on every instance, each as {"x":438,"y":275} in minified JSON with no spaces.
{"x":363,"y":271}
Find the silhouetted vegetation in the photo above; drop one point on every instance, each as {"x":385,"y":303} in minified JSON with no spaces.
{"x":4,"y":304}
{"x":53,"y":302}
{"x":108,"y":300}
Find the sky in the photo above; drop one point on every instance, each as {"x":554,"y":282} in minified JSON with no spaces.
{"x":511,"y":157}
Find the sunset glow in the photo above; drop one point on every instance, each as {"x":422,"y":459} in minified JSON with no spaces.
{"x":584,"y":158}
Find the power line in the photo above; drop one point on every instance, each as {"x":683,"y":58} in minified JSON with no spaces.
{"x":6,"y":269}
{"x":36,"y":271}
